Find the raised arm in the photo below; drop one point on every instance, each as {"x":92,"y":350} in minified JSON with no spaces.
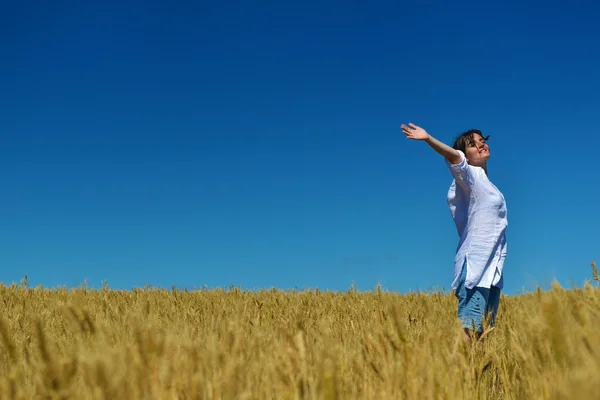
{"x":415,"y":132}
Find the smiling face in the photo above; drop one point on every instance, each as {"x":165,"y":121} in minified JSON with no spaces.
{"x":473,"y":144}
{"x":477,"y":151}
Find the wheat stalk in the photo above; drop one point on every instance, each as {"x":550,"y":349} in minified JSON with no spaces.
{"x":271,"y":344}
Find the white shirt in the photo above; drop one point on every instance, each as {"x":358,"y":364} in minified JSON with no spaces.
{"x":479,"y":212}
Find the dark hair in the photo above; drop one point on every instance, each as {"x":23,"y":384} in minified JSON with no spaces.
{"x":467,"y":139}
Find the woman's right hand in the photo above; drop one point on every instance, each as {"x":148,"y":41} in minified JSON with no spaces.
{"x":414,"y":132}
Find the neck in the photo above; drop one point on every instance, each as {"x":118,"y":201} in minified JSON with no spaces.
{"x":484,"y":167}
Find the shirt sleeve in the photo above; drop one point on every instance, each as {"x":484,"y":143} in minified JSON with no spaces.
{"x":462,"y":172}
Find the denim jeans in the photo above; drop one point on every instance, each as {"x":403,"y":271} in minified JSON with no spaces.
{"x":475,"y":304}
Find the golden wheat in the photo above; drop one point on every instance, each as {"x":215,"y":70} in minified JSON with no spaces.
{"x":273,"y":344}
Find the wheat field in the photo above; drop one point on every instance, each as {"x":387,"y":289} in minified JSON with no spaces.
{"x":155,"y":343}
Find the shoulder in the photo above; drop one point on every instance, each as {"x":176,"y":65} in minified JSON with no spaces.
{"x":461,"y":164}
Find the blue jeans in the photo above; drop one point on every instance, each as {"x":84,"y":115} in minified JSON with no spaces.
{"x":475,"y":304}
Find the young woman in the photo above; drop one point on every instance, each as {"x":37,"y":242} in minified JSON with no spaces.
{"x":479,"y":212}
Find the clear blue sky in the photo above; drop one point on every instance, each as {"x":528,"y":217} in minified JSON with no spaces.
{"x":257,"y":144}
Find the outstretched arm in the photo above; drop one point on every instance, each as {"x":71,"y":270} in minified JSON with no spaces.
{"x":415,"y":132}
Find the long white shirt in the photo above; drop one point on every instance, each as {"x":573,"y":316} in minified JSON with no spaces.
{"x":479,"y":212}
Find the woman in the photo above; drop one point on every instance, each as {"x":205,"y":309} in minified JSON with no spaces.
{"x":479,"y":212}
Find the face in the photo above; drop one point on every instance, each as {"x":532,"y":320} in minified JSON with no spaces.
{"x":477,"y":153}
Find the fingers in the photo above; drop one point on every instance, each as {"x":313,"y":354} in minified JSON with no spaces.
{"x":412,"y":131}
{"x":406,"y":130}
